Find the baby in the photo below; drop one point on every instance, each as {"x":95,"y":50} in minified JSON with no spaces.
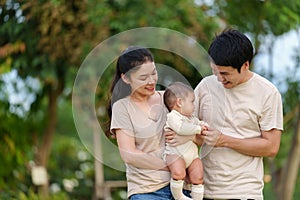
{"x":179,"y":99}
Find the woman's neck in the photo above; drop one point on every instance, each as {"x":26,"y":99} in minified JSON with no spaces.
{"x":139,"y":98}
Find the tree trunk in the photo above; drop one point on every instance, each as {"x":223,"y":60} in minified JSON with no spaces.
{"x":286,"y":183}
{"x":44,"y":149}
{"x":271,"y":64}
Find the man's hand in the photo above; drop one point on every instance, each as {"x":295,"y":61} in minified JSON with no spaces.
{"x":174,"y":139}
{"x":212,"y":137}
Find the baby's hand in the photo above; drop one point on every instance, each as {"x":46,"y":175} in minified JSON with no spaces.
{"x":203,"y":128}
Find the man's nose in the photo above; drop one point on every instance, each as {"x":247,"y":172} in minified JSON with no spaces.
{"x":220,"y":77}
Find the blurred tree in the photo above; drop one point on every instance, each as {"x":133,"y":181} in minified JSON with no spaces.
{"x":46,"y":45}
{"x":182,"y":16}
{"x":16,"y":131}
{"x":260,"y":18}
{"x":15,"y":149}
{"x":285,"y":173}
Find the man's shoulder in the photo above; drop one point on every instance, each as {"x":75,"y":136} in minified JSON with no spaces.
{"x":208,"y":81}
{"x":209,"y":78}
{"x":264,"y":83}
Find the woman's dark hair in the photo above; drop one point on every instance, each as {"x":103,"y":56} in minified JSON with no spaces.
{"x":129,"y":60}
{"x":231,"y":48}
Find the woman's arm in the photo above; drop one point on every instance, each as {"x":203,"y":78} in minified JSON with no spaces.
{"x":174,"y":139}
{"x":133,"y":156}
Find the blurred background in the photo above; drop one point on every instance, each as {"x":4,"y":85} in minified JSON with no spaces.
{"x":43,"y":44}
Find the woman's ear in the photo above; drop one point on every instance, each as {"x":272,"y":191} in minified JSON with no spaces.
{"x":125,"y":78}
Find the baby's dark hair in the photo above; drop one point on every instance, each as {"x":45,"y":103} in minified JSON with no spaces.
{"x":176,"y":90}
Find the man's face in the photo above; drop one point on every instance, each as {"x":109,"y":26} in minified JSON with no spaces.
{"x":229,"y":76}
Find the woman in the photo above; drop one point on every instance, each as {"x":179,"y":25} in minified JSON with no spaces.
{"x":138,"y":115}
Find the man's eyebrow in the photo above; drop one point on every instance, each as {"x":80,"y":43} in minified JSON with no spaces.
{"x":224,"y":72}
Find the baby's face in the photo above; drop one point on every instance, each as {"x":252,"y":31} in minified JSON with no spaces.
{"x":188,"y":106}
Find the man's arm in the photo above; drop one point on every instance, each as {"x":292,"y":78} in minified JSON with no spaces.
{"x":265,"y":146}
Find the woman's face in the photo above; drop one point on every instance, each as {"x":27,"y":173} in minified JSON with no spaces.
{"x":144,"y":79}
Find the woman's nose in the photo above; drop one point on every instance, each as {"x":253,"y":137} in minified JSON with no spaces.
{"x":151,"y":80}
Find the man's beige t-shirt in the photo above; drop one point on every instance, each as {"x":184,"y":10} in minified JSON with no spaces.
{"x":240,"y":112}
{"x":148,"y":133}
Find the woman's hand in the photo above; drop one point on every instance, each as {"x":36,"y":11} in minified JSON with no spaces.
{"x":174,"y":139}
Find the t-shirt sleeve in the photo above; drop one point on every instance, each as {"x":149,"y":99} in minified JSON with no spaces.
{"x":120,"y":117}
{"x":181,"y":126}
{"x":202,"y":102}
{"x":197,"y":101}
{"x":272,"y":114}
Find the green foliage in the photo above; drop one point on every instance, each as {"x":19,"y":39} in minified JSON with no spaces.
{"x":268,"y":191}
{"x":291,"y":102}
{"x":76,"y":168}
{"x":16,"y":148}
{"x":75,"y":163}
{"x":262,"y":17}
{"x":259,"y":17}
{"x":292,"y":95}
{"x":183,"y":16}
{"x":31,"y":195}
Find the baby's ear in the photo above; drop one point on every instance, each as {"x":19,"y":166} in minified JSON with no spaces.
{"x":179,"y":102}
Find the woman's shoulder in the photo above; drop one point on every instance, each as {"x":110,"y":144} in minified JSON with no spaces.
{"x":121,"y":102}
{"x":160,"y":92}
{"x":161,"y":95}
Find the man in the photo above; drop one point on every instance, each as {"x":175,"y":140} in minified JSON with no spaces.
{"x":244,"y":111}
